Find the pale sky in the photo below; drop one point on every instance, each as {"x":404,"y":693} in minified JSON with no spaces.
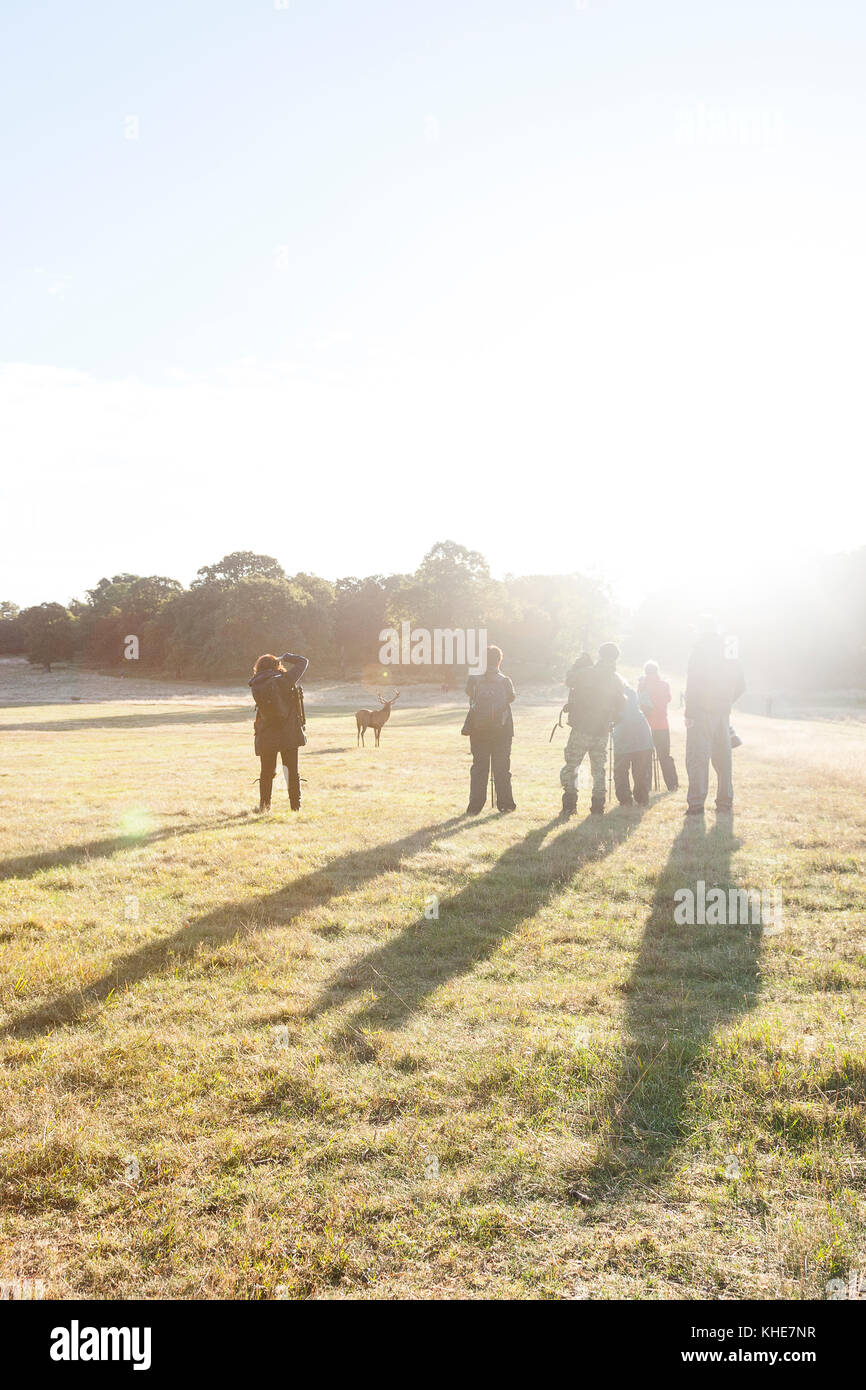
{"x":579,"y":285}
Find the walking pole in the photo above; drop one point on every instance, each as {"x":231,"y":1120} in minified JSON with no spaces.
{"x":655,"y":771}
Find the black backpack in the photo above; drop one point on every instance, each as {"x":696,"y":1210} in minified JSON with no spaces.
{"x":578,"y":690}
{"x":489,"y":706}
{"x":596,"y":700}
{"x":270,"y":700}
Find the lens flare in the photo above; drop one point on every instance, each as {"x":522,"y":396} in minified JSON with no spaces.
{"x":135,"y":823}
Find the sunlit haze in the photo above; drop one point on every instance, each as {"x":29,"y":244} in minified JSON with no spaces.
{"x":333,"y":282}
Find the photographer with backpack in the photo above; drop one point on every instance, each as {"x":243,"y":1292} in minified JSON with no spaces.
{"x":279,"y":723}
{"x":596,"y":700}
{"x":490,"y":728}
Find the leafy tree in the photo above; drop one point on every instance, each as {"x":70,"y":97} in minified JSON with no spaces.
{"x":807,"y":632}
{"x":550,"y":618}
{"x":108,"y":593}
{"x":447,"y":560}
{"x":450,"y":588}
{"x":360,"y":614}
{"x":241,"y":564}
{"x":49,"y":634}
{"x":141,"y":610}
{"x":220,"y":630}
{"x":127,"y":604}
{"x":453,"y":586}
{"x":11,"y":631}
{"x":315,"y":622}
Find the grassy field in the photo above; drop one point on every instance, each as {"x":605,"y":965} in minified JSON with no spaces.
{"x":243,"y":1058}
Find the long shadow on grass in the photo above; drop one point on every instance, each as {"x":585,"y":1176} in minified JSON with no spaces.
{"x":405,"y":971}
{"x":338,"y":876}
{"x":26,"y":865}
{"x":686,"y":982}
{"x":223,"y":714}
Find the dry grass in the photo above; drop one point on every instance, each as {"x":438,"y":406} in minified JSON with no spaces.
{"x":547,"y":1091}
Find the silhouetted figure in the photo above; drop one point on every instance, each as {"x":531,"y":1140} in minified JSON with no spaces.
{"x":595,"y":700}
{"x":279,"y":724}
{"x":632,"y":753}
{"x":654,"y":696}
{"x":490,"y":727}
{"x":713,"y":684}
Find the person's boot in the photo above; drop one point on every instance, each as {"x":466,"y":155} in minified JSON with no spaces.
{"x":294,"y":791}
{"x":569,"y":806}
{"x":265,"y":794}
{"x":596,"y":806}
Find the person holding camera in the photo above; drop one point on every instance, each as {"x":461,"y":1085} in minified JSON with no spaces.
{"x":490,"y":727}
{"x":596,"y":700}
{"x":714,"y":682}
{"x":279,"y":723}
{"x":632,"y":753}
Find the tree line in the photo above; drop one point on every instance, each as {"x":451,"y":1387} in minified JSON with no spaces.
{"x":246,"y":604}
{"x":809,"y":634}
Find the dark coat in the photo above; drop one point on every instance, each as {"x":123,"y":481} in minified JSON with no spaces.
{"x":507,"y":730}
{"x":714,"y":681}
{"x":272,"y":732}
{"x":596,"y":699}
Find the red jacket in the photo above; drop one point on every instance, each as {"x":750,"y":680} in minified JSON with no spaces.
{"x":656,"y":692}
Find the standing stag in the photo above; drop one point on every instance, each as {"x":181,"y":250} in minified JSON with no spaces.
{"x":373,"y":718}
